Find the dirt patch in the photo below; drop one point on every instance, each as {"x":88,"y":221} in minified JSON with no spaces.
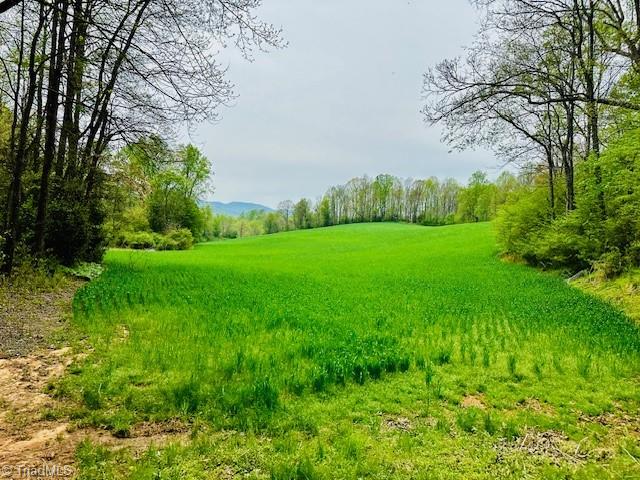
{"x":617,"y":420}
{"x":550,"y":444}
{"x":22,"y":381}
{"x":402,"y":424}
{"x":140,"y":438}
{"x":535,"y":405}
{"x":473,"y":401}
{"x":31,"y":311}
{"x":30,"y":315}
{"x":28,"y":437}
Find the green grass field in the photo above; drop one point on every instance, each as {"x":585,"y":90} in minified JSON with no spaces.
{"x":361,"y":351}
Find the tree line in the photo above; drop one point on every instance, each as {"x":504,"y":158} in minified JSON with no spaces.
{"x":81,"y":78}
{"x":552,"y":86}
{"x":384,"y":198}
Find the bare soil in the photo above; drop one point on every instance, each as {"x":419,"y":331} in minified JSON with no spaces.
{"x":29,"y":319}
{"x":550,"y":444}
{"x":30,"y":316}
{"x":473,"y":401}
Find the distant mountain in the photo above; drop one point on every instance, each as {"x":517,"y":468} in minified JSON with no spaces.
{"x":235,"y":209}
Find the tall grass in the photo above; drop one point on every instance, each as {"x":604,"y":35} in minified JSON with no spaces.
{"x":234,"y":332}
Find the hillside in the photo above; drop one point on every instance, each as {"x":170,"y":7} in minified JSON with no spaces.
{"x":235,"y":209}
{"x":356,"y":351}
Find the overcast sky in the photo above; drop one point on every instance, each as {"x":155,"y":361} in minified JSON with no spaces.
{"x":342,"y":100}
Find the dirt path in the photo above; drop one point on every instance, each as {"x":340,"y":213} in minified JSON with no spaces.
{"x":32,"y":445}
{"x":25,"y":436}
{"x":33,"y":312}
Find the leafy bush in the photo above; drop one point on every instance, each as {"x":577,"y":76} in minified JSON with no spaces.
{"x":610,"y":264}
{"x":602,"y":232}
{"x":521,"y":218}
{"x":633,"y":254}
{"x":563,"y":243}
{"x":87,"y":271}
{"x":182,"y":238}
{"x":166,"y":243}
{"x":135,"y":219}
{"x":74,"y":229}
{"x":139,"y":240}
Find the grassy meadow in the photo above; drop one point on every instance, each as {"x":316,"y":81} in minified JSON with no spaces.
{"x":359,"y":351}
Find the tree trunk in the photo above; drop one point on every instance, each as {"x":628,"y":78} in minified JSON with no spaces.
{"x":552,"y":193}
{"x":567,"y":156}
{"x":592,"y":107}
{"x":101,"y":109}
{"x":72,"y":87}
{"x":51,"y":119}
{"x":74,"y":129}
{"x":19,"y":155}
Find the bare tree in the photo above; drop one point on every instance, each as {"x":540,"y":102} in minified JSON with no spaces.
{"x":539,"y":68}
{"x":286,"y":210}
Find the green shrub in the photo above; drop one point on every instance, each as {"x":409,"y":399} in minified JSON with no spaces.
{"x":521,"y":218}
{"x":118,"y":239}
{"x":633,"y":254}
{"x":74,"y":230}
{"x":166,"y":243}
{"x":182,"y":239}
{"x":139,"y":240}
{"x":603,"y":231}
{"x":564,"y":243}
{"x":610,"y":264}
{"x":135,"y":219}
{"x":84,"y":270}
